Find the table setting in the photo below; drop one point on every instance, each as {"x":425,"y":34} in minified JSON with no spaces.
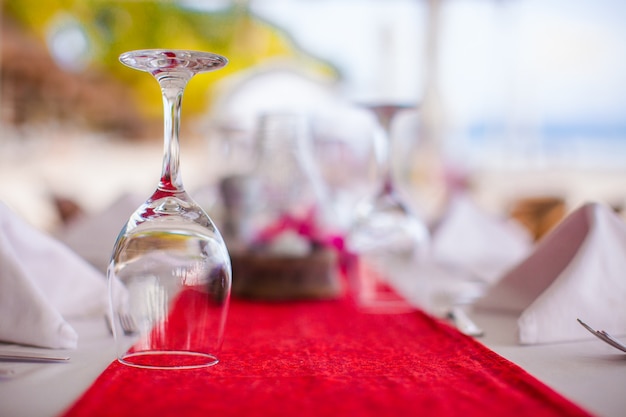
{"x":282,"y":312}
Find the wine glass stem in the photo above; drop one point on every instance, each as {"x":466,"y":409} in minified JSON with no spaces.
{"x":386,"y":170}
{"x":172,"y":90}
{"x":385,"y":162}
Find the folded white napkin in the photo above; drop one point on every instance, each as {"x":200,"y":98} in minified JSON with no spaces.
{"x":484,"y":245}
{"x":92,"y":236}
{"x":42,"y":283}
{"x":576,"y":271}
{"x":470,"y":249}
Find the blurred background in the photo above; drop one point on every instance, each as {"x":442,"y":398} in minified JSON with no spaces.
{"x":516,"y":100}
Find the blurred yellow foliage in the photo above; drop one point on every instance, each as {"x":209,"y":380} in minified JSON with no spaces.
{"x":116,"y":26}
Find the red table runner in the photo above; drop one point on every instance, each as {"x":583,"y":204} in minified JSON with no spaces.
{"x":327,"y":358}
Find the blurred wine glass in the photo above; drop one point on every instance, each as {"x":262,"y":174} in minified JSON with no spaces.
{"x":389,"y":240}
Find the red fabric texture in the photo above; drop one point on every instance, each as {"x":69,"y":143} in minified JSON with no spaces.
{"x":328,"y":358}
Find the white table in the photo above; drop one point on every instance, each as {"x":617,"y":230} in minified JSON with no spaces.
{"x":590,"y":373}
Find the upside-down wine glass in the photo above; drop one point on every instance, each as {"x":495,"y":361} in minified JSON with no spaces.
{"x":170,"y":272}
{"x":387,"y":237}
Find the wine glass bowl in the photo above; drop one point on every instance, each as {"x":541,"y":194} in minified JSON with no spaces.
{"x":170,"y":272}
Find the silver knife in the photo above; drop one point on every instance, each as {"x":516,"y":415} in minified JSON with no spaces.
{"x":32,"y":357}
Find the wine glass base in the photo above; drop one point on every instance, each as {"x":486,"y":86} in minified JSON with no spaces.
{"x":169,"y":359}
{"x":372,"y":292}
{"x":378,"y":297}
{"x":378,"y":306}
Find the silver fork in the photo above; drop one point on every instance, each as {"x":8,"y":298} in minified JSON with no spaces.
{"x":604,"y":336}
